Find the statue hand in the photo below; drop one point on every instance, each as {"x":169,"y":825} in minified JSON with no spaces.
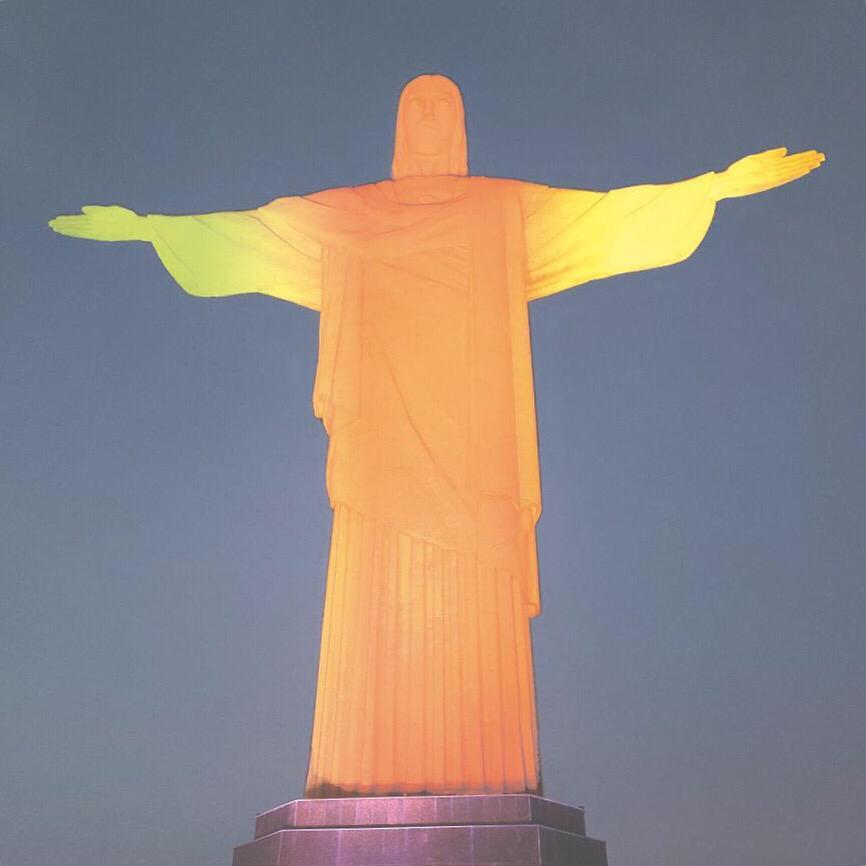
{"x":763,"y":171}
{"x":103,"y":223}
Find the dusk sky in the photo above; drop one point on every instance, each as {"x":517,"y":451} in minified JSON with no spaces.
{"x":701,"y":652}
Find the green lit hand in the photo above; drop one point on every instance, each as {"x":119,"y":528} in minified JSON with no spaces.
{"x":762,"y":171}
{"x":103,"y":223}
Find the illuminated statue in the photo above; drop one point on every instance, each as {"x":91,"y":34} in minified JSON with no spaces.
{"x":424,"y":385}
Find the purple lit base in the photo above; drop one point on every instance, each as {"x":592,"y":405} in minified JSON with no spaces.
{"x":460,"y":830}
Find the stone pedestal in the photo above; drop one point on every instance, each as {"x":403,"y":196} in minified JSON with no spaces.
{"x":460,"y":830}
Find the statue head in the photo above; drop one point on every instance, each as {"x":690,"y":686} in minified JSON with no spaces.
{"x":431,"y":129}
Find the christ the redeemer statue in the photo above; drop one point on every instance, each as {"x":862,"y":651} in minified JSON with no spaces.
{"x":424,"y":385}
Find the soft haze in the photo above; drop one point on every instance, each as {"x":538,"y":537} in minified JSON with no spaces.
{"x":701,"y":657}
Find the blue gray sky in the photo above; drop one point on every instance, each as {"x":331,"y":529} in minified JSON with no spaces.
{"x":701,"y":656}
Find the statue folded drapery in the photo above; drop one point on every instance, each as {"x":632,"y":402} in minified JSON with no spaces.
{"x":424,"y":384}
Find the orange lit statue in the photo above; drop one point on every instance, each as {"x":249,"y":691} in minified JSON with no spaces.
{"x":424,"y":385}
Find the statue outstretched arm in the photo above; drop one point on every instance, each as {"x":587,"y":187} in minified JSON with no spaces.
{"x":216,"y":254}
{"x":574,"y":236}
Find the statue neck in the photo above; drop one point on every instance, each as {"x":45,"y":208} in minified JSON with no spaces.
{"x":429,"y":166}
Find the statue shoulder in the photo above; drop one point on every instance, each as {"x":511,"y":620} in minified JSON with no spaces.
{"x":483,"y":181}
{"x":341,"y":196}
{"x":337,"y":197}
{"x":510,"y":193}
{"x":502,"y":186}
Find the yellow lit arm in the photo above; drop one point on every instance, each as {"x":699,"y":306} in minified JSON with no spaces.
{"x":236,"y":252}
{"x":272,"y":249}
{"x":574,"y":236}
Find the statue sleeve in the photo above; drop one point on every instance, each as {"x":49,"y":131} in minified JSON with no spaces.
{"x":574,"y":236}
{"x":263,"y":250}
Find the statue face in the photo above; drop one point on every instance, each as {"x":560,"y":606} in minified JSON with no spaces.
{"x":430,"y":118}
{"x":430,"y":134}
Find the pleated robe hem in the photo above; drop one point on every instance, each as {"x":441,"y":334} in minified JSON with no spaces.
{"x":425,"y":682}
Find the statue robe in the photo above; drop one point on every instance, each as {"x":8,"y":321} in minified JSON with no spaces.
{"x":424,"y":385}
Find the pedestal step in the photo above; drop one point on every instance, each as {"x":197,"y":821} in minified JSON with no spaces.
{"x":460,"y":830}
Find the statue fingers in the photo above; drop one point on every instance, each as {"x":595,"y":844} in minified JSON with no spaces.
{"x":798,"y":166}
{"x":806,"y":158}
{"x":811,"y":157}
{"x":781,"y":163}
{"x":790,"y":172}
{"x":69,"y":225}
{"x":812,"y":154}
{"x":786,"y":168}
{"x":74,"y":232}
{"x":63,"y":219}
{"x":77,"y":227}
{"x":803,"y":170}
{"x":782,"y":177}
